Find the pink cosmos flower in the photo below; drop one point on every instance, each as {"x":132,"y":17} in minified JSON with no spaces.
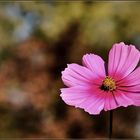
{"x":94,"y":90}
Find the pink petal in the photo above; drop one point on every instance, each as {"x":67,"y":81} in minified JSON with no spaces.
{"x":132,"y":79}
{"x":75,"y":74}
{"x":122,"y":99}
{"x":93,"y":104}
{"x":135,"y":97}
{"x":131,"y":83}
{"x":91,"y":100}
{"x":95,"y":63}
{"x":110,"y":102}
{"x":74,"y":95}
{"x":135,"y":88}
{"x":96,"y":107}
{"x":75,"y":92}
{"x":122,"y":60}
{"x":96,"y":104}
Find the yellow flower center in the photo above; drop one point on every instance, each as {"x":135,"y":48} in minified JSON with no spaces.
{"x":108,"y":84}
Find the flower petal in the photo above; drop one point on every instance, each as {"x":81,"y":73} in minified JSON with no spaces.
{"x":135,"y":88}
{"x":131,"y":83}
{"x":135,"y":97}
{"x":91,"y":100}
{"x":96,"y":103}
{"x":132,"y":79}
{"x":73,"y":93}
{"x":96,"y":107}
{"x":95,"y":63}
{"x":122,"y":99}
{"x":110,"y":102}
{"x":122,"y":60}
{"x":75,"y":75}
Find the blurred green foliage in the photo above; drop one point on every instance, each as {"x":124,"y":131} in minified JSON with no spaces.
{"x":99,"y":22}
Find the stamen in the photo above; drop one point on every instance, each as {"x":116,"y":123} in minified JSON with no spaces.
{"x":108,"y":84}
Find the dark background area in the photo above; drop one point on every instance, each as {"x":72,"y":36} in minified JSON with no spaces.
{"x":37,"y":41}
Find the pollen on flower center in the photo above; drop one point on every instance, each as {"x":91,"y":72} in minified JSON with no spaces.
{"x":108,"y":84}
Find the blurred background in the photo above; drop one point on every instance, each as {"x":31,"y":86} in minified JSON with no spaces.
{"x":37,"y":40}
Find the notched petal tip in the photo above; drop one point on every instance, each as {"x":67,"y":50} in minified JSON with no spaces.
{"x":122,"y":60}
{"x":68,"y":65}
{"x":62,"y":72}
{"x":94,"y":63}
{"x":61,"y":90}
{"x":120,"y":43}
{"x":66,"y":69}
{"x":95,"y":113}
